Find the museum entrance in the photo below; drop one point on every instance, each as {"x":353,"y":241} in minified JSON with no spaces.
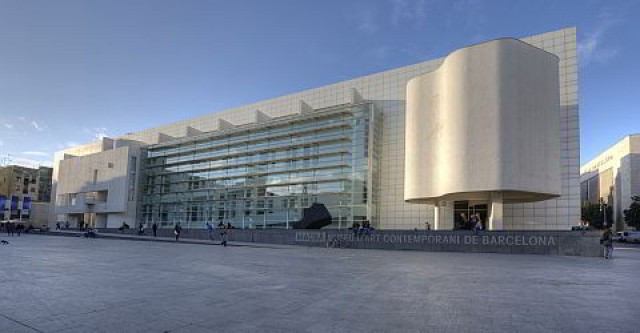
{"x":464,"y":210}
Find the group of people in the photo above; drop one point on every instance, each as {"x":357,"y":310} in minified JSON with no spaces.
{"x":59,"y":227}
{"x":473,"y":222}
{"x":13,"y":228}
{"x":224,"y":230}
{"x":177,"y":230}
{"x":365,"y":228}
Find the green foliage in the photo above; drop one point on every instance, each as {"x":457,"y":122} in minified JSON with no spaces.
{"x":594,"y":214}
{"x":632,"y":215}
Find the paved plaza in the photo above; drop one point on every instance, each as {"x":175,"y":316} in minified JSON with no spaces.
{"x":72,"y":284}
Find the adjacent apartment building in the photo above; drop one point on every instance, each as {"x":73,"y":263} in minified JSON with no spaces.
{"x":490,"y":129}
{"x":25,"y":192}
{"x":613,"y":177}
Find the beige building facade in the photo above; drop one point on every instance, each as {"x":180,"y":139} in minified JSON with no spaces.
{"x":403,"y":184}
{"x":613,"y":177}
{"x":25,"y":193}
{"x":19,"y":180}
{"x":99,"y":184}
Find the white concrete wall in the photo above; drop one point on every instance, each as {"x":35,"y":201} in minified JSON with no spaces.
{"x":485,"y":120}
{"x":74,"y":175}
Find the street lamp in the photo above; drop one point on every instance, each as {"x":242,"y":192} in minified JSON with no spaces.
{"x":603,"y":209}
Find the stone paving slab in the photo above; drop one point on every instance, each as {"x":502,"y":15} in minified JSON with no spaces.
{"x":73,"y":284}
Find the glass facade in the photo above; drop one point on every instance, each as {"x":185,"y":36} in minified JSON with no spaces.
{"x":263,"y":175}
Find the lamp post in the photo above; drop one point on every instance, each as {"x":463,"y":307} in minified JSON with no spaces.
{"x":603,"y":209}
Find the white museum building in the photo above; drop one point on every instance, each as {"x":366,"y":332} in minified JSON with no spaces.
{"x":489,"y":129}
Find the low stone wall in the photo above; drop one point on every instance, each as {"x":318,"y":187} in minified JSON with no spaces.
{"x":570,"y":243}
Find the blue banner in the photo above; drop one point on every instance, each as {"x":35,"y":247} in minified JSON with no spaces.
{"x":14,"y":203}
{"x":26,"y":203}
{"x":3,"y":201}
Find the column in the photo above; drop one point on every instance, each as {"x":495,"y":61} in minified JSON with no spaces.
{"x":438,"y":217}
{"x":497,"y":211}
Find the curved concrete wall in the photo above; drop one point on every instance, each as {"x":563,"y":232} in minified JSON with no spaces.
{"x":485,"y":121}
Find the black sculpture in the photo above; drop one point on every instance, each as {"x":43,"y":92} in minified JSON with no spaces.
{"x":314,"y":217}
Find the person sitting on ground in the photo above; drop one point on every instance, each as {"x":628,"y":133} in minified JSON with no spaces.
{"x":91,"y":232}
{"x":123,"y":226}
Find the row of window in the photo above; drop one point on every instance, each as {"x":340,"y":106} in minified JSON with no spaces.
{"x":271,"y":180}
{"x":243,"y":137}
{"x":260,"y":162}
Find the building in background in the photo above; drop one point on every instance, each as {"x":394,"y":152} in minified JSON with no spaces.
{"x":613,"y":177}
{"x":490,"y":129}
{"x":19,"y":180}
{"x":21,"y":188}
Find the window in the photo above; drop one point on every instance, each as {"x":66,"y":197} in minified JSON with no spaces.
{"x":95,"y":176}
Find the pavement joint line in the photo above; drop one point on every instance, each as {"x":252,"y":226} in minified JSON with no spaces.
{"x":166,"y":240}
{"x":21,"y":323}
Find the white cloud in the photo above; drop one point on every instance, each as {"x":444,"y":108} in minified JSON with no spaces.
{"x":22,"y":118}
{"x":379,"y":53}
{"x":591,"y":48}
{"x":38,"y":127}
{"x":31,"y":163}
{"x":1,"y":143}
{"x":70,"y":144}
{"x":408,"y":11}
{"x":35,"y":153}
{"x":100,"y":132}
{"x":365,"y":18}
{"x":7,"y":125}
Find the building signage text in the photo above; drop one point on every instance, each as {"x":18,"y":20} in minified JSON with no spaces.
{"x":430,"y":239}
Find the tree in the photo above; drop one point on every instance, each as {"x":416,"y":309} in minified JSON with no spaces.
{"x":594,"y":214}
{"x":632,"y":215}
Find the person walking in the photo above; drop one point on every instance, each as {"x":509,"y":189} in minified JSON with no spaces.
{"x":478,"y":226}
{"x":177,"y":230}
{"x":9,"y":226}
{"x":462,"y":221}
{"x":224,"y":234}
{"x":141,"y":229}
{"x":58,"y":226}
{"x":471,"y":224}
{"x":154,"y":228}
{"x":607,"y":242}
{"x":19,"y":228}
{"x":210,"y":231}
{"x":221,"y":231}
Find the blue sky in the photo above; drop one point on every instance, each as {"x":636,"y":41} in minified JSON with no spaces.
{"x":71,"y":71}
